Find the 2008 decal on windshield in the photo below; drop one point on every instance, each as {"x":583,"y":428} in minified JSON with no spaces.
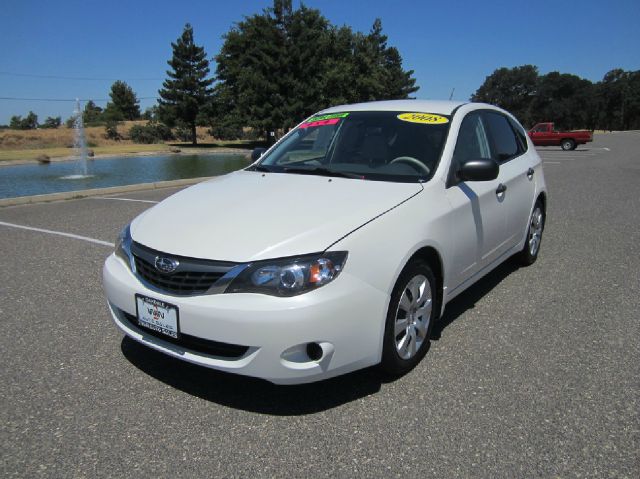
{"x":426,"y":118}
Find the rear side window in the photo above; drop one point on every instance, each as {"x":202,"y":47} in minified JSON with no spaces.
{"x":520,"y":133}
{"x":505,"y":143}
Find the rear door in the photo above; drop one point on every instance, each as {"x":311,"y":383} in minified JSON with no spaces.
{"x":517,"y":171}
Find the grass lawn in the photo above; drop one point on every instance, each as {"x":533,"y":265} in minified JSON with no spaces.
{"x":56,"y":142}
{"x":57,"y":152}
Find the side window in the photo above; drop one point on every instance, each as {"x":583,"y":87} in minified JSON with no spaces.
{"x":521,"y":134}
{"x":472,"y":141}
{"x":504,"y":138}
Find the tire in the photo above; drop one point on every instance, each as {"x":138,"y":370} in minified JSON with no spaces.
{"x":409,"y":319}
{"x":535,"y":228}
{"x":568,"y":144}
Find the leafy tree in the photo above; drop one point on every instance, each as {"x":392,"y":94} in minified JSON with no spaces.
{"x":15,"y":123}
{"x":564,"y":99}
{"x":338,"y":67}
{"x":150,"y":113}
{"x":52,"y":122}
{"x":187,"y":89}
{"x":568,"y":100}
{"x":124,"y":100}
{"x":252,"y":78}
{"x":512,"y":89}
{"x":378,"y":68}
{"x":399,"y":83}
{"x":279,"y":66}
{"x":30,"y":122}
{"x":632,"y":101}
{"x":619,"y":100}
{"x":112,"y":113}
{"x":92,"y":114}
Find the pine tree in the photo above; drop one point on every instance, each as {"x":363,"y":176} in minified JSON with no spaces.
{"x":277,"y":67}
{"x":186,"y":91}
{"x":124,"y":100}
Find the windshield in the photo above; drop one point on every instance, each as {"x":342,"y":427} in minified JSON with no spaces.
{"x":374,"y":145}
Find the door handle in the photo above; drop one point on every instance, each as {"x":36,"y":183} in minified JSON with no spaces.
{"x":530,"y":173}
{"x":501,"y":189}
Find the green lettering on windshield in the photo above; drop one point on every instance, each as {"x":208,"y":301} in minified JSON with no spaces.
{"x":329,"y":116}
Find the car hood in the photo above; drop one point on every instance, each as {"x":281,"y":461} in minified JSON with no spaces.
{"x":247,"y":215}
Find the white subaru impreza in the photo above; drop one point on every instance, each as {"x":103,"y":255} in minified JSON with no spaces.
{"x":338,"y":248}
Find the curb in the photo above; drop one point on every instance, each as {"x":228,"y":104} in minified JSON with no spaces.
{"x":70,"y":195}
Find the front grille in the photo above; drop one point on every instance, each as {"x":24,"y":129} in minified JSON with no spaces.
{"x":182,"y":283}
{"x":193,"y":343}
{"x":191,"y":277}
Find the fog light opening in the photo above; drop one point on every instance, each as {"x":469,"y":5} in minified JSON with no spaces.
{"x":314,"y":351}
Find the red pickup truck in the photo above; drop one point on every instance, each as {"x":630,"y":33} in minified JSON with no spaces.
{"x":543,"y":134}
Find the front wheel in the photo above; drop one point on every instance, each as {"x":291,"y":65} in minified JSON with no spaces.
{"x":529,"y":253}
{"x":412,"y":311}
{"x":568,"y":144}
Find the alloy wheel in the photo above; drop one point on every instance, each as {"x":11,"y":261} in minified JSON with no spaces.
{"x":535,"y":231}
{"x":413,"y":316}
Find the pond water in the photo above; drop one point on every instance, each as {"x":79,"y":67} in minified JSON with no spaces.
{"x":37,"y":179}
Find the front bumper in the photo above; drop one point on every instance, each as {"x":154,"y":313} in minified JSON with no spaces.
{"x":346,"y":318}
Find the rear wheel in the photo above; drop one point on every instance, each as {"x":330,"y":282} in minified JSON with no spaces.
{"x":568,"y":144}
{"x":412,"y":311}
{"x":531,"y":248}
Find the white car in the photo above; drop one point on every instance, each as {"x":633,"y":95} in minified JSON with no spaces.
{"x":338,"y":248}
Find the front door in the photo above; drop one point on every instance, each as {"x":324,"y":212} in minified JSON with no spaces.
{"x":478,"y":217}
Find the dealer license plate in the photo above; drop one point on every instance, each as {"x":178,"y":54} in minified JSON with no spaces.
{"x":157,"y":315}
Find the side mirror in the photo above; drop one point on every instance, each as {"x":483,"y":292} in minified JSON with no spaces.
{"x":257,"y":153}
{"x":482,"y":169}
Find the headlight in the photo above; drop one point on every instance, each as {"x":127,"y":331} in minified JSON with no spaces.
{"x":289,"y":276}
{"x":123,"y":246}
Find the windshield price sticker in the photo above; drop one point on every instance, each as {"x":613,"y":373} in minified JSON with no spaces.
{"x":331,"y":121}
{"x":426,"y":118}
{"x":329,"y":116}
{"x":323,"y":120}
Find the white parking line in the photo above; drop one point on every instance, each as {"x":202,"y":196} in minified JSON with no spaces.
{"x":558,"y":159}
{"x":560,"y":153}
{"x":552,"y":162}
{"x":121,"y":199}
{"x":59,"y":233}
{"x":584,"y":155}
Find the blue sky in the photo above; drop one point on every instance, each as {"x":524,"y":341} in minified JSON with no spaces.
{"x":449,"y":44}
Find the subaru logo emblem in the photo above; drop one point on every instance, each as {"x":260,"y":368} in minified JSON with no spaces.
{"x":166,"y":265}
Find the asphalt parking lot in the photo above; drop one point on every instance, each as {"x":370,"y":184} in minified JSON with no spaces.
{"x":534,"y":372}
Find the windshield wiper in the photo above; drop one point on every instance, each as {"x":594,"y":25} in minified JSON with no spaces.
{"x":322,"y":172}
{"x":260,"y":168}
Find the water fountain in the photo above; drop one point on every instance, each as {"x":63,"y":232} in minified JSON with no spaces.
{"x":80,"y":145}
{"x":59,"y":176}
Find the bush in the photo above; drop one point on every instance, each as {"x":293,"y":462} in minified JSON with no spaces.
{"x":183,"y":132}
{"x":226,"y":132}
{"x":52,"y":122}
{"x":111,"y":130}
{"x":150,"y":133}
